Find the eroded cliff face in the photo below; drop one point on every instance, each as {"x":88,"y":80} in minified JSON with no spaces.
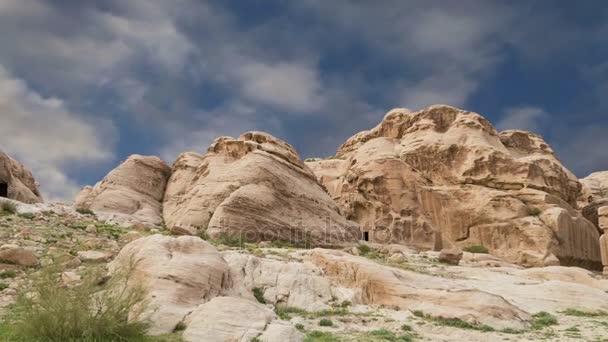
{"x":256,"y":187}
{"x":443,"y":176}
{"x":18,"y":180}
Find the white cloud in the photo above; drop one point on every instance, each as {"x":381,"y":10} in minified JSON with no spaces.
{"x":289,"y":86}
{"x":523,"y":118}
{"x":44,"y":135}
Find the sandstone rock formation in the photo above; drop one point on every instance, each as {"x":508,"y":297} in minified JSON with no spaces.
{"x":178,"y":273}
{"x":227,"y":319}
{"x":595,"y":186}
{"x":255,"y":187}
{"x":444,"y":177}
{"x":131,"y":193}
{"x":18,"y":181}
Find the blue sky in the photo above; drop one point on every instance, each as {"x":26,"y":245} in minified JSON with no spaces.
{"x":84,"y":84}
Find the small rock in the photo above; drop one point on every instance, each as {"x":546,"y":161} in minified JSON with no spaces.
{"x":94,"y":256}
{"x":355,"y":251}
{"x":140,"y":226}
{"x":69,"y":278}
{"x":72,"y":263}
{"x":451,"y":256}
{"x":177,"y":230}
{"x":91,"y":229}
{"x":264,"y":244}
{"x":396,"y":257}
{"x":17,"y":255}
{"x":131,"y":236}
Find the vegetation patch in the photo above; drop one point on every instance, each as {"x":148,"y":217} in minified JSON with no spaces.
{"x":8,"y":274}
{"x":3,"y":286}
{"x":85,"y":211}
{"x":7,"y":208}
{"x":534,"y":211}
{"x":86,"y":312}
{"x":258,"y":293}
{"x":580,"y":313}
{"x":543,"y":319}
{"x":387,"y":335}
{"x":476,"y":249}
{"x":320,"y":336}
{"x":28,"y":216}
{"x":326,"y":322}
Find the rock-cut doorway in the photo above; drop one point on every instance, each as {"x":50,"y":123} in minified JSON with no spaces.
{"x":3,"y":189}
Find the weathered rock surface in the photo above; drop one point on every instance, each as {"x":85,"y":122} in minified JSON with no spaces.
{"x":131,"y":193}
{"x":225,"y":319}
{"x":256,"y":187}
{"x":21,"y":184}
{"x":408,"y":290}
{"x":179,"y":274}
{"x":444,"y":177}
{"x":293,"y":284}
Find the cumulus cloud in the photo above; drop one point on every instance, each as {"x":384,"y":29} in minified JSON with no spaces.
{"x":44,"y":135}
{"x":525,"y":118}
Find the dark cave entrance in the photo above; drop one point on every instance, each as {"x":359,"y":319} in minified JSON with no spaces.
{"x":366,"y":236}
{"x":3,"y":190}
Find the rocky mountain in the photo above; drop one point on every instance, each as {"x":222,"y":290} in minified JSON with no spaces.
{"x":17,"y":182}
{"x":443,"y":177}
{"x":250,"y":243}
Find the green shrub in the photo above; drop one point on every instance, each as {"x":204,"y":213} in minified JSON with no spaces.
{"x":300,"y":326}
{"x":86,"y":312}
{"x":258,"y":293}
{"x":28,"y":216}
{"x":364,"y":249}
{"x":8,"y":274}
{"x":387,"y":335}
{"x":8,"y":208}
{"x":579,"y":313}
{"x":85,"y":211}
{"x":476,"y":249}
{"x":543,"y":319}
{"x":534,"y":211}
{"x":326,"y":322}
{"x":418,"y":313}
{"x":3,"y":286}
{"x":232,"y":240}
{"x":284,"y":312}
{"x":406,"y":327}
{"x":320,"y":336}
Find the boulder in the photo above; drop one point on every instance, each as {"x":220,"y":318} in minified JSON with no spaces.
{"x":281,"y":331}
{"x":19,"y":181}
{"x":255,"y":187}
{"x":132,"y":193}
{"x":178,"y":273}
{"x":443,"y":177}
{"x":227,"y":319}
{"x":451,"y":256}
{"x":14,"y":254}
